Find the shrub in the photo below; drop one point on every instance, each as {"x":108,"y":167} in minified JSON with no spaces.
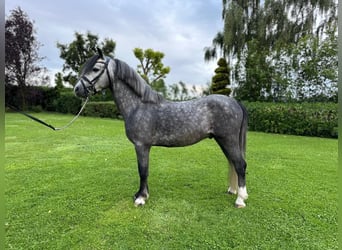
{"x":101,"y":109}
{"x":309,"y":119}
{"x":34,"y":97}
{"x":221,"y":78}
{"x":50,"y":96}
{"x":68,"y":103}
{"x":36,"y":109}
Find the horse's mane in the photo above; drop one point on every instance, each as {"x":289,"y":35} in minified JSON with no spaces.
{"x":130,"y":77}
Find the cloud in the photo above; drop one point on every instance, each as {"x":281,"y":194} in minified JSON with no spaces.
{"x":180,"y":29}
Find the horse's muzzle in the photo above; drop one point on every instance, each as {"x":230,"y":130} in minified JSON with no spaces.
{"x":80,"y":91}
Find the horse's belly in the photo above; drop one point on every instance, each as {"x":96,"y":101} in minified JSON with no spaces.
{"x":172,"y":141}
{"x":181,"y":136}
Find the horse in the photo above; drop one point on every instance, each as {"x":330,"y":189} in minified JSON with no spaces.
{"x":151,"y":120}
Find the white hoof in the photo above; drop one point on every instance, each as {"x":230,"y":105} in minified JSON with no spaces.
{"x":239,"y":203}
{"x":140,"y":201}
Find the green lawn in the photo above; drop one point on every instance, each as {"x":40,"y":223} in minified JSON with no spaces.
{"x":73,"y":189}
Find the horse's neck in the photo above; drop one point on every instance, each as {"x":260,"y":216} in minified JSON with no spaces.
{"x":125,"y":99}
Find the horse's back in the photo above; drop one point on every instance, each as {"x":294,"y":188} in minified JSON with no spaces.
{"x":221,"y":105}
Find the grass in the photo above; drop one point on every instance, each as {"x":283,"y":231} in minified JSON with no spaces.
{"x":73,"y":189}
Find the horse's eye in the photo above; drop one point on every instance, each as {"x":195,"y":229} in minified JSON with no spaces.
{"x":95,"y":69}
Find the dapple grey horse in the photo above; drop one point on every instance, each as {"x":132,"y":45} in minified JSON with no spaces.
{"x":150,"y":120}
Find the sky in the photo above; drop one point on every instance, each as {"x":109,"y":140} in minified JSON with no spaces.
{"x":178,"y":28}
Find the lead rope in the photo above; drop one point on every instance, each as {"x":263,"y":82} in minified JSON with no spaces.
{"x":71,"y":122}
{"x":48,"y":125}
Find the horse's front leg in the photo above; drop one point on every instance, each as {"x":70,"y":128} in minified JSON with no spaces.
{"x":142,"y":152}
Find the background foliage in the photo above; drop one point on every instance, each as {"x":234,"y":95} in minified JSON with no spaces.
{"x":152,"y":69}
{"x":310,"y":119}
{"x":102,"y":109}
{"x":221,"y":80}
{"x":279,"y":50}
{"x":21,"y":58}
{"x":81,"y":49}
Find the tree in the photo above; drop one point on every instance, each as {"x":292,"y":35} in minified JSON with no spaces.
{"x":255,"y":30}
{"x":217,"y":44}
{"x":78,"y":51}
{"x":59,"y":81}
{"x":315,"y":67}
{"x":151,"y":68}
{"x":221,"y":79}
{"x":179,"y":92}
{"x":21,"y":58}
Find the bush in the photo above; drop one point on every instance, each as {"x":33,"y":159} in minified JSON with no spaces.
{"x":309,"y":119}
{"x":101,"y":109}
{"x":68,"y":103}
{"x":36,"y":109}
{"x":26,"y":98}
{"x":104,"y":96}
{"x":31,"y":97}
{"x":50,"y":97}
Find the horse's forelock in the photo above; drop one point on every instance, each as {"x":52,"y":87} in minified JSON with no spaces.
{"x":89,"y":64}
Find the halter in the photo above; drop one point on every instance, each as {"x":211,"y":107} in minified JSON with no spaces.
{"x":91,"y":83}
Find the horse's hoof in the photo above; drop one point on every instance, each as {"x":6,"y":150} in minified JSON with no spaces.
{"x":231,"y":193}
{"x":140,"y":201}
{"x":240,"y":205}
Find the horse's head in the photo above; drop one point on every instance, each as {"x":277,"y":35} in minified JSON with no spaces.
{"x":94,"y":76}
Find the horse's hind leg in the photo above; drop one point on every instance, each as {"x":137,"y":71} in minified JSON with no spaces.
{"x":236,"y":160}
{"x":143,"y":157}
{"x":240,"y":167}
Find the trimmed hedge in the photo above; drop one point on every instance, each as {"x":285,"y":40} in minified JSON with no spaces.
{"x":67,"y":103}
{"x":101,"y":109}
{"x":308,"y":119}
{"x":31,"y":97}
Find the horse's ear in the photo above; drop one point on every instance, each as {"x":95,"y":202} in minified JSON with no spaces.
{"x":99,"y":51}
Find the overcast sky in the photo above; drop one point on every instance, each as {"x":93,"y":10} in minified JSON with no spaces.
{"x":178,"y":28}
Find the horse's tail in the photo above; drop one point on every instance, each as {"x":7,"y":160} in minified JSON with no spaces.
{"x":243,"y":130}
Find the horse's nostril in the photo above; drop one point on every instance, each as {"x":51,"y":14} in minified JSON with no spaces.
{"x":76,"y":89}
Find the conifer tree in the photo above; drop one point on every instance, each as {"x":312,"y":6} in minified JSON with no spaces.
{"x":221,"y":79}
